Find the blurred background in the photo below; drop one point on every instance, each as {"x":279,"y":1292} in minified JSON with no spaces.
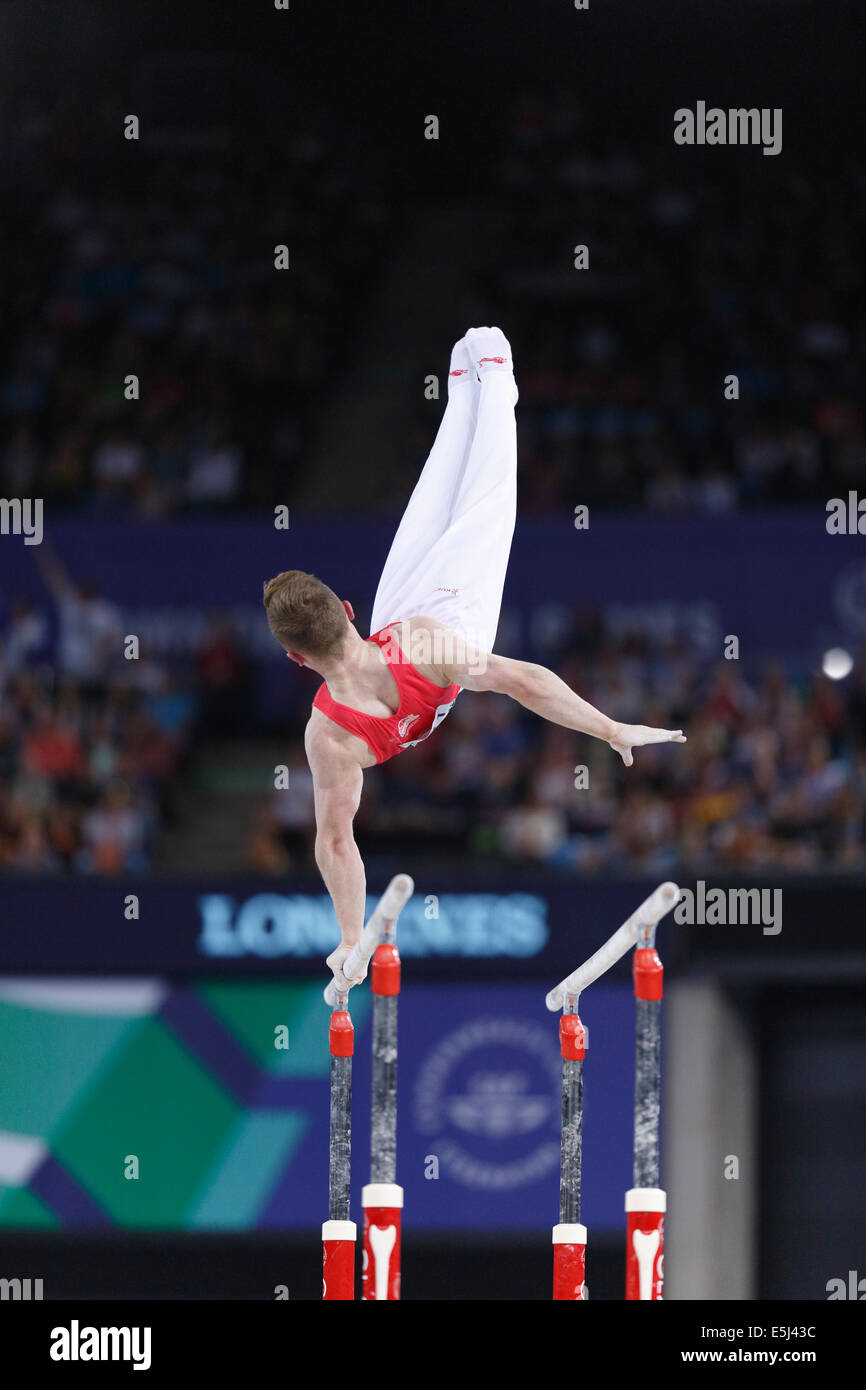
{"x":163,"y":912}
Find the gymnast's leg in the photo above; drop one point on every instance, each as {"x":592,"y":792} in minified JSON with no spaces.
{"x":428,"y":513}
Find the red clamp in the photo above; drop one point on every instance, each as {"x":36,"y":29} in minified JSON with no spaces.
{"x":572,"y":1038}
{"x":341,"y":1034}
{"x":385,"y":971}
{"x":648,"y":974}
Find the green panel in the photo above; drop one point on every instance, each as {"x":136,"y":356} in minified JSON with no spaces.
{"x":245,"y":1171}
{"x":20,"y":1207}
{"x":49,"y":1060}
{"x":253,"y":1010}
{"x":160,"y":1104}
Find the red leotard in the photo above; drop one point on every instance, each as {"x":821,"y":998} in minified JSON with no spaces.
{"x":422,"y":706}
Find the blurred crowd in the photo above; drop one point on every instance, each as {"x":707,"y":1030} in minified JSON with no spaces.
{"x":700,"y":267}
{"x":155,"y":259}
{"x":703,"y":265}
{"x":143,"y":259}
{"x":95,"y":749}
{"x":94,"y":746}
{"x":773,"y":775}
{"x":120,"y":258}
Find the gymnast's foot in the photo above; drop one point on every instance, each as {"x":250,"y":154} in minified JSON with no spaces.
{"x":462,"y":370}
{"x":490,"y":351}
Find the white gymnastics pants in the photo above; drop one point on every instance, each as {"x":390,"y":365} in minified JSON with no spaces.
{"x":449,"y":556}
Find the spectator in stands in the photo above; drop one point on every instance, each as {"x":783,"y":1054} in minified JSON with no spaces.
{"x":114,"y":833}
{"x":91,"y":634}
{"x":223,"y":680}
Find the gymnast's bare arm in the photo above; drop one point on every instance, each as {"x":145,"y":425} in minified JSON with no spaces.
{"x":335,"y":760}
{"x":537,"y":689}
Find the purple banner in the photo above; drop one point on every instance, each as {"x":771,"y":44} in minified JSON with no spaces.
{"x":781,"y":583}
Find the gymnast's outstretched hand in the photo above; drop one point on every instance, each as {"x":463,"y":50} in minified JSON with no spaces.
{"x":629,"y":736}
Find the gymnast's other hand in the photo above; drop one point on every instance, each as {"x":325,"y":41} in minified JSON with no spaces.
{"x":335,"y":961}
{"x":628,"y":736}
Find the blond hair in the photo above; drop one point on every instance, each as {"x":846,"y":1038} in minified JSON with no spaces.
{"x":305,"y":615}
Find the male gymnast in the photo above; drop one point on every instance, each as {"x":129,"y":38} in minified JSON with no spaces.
{"x":433,"y":628}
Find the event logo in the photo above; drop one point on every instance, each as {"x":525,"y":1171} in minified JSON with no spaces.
{"x":270,"y":925}
{"x":487,"y":1096}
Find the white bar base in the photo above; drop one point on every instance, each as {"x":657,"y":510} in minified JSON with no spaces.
{"x":569,"y":1234}
{"x":339,"y":1230}
{"x":646,"y":1199}
{"x":382,"y":1194}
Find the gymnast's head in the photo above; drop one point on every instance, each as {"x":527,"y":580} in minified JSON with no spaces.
{"x":307,"y":618}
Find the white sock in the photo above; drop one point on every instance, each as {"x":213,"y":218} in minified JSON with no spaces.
{"x":490,"y":351}
{"x":461,"y":371}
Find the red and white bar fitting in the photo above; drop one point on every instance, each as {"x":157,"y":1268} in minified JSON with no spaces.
{"x":338,"y":1265}
{"x":382,"y":1201}
{"x":383,"y":1206}
{"x":645,"y":1206}
{"x":645,"y":1243}
{"x":338,"y":1237}
{"x":569,"y":1263}
{"x":569,"y":1240}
